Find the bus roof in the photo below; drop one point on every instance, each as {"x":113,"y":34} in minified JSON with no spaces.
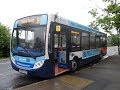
{"x":67,"y":22}
{"x":74,"y":24}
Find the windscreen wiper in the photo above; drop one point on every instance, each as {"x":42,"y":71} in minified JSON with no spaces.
{"x":17,"y":53}
{"x":27,"y":51}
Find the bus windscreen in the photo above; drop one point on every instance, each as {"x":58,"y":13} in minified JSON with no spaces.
{"x":29,"y":41}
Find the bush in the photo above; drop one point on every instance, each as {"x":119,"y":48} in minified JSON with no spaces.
{"x":4,"y":41}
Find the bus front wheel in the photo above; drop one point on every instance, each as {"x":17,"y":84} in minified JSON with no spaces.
{"x":74,"y":66}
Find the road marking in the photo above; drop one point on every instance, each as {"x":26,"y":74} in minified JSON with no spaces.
{"x":67,"y":82}
{"x":75,"y":81}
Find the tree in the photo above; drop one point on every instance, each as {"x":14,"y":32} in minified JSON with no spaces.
{"x":109,"y":20}
{"x":94,"y":24}
{"x":112,"y":40}
{"x":4,"y":40}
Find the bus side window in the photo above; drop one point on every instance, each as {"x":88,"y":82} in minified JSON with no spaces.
{"x":92,"y":41}
{"x":97,"y":41}
{"x":85,"y":41}
{"x":104,"y":41}
{"x":75,"y":40}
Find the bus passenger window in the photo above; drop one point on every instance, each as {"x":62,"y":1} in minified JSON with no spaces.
{"x":104,"y":41}
{"x":75,"y":40}
{"x":92,"y":41}
{"x":97,"y":41}
{"x":85,"y":41}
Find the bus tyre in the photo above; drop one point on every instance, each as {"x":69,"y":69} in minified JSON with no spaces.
{"x":74,"y":66}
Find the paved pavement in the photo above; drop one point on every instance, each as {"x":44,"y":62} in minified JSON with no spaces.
{"x":106,"y":74}
{"x":10,"y":79}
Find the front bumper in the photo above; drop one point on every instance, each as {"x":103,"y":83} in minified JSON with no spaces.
{"x":46,"y":71}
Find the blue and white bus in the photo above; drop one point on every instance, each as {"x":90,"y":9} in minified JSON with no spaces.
{"x":48,"y":45}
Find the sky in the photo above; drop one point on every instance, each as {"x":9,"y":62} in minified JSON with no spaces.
{"x":75,"y":10}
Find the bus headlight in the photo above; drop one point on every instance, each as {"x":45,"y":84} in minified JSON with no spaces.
{"x":38,"y":64}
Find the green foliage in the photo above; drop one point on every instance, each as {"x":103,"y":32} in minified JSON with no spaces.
{"x":111,"y":1}
{"x":4,"y":41}
{"x":93,"y":12}
{"x":110,"y":19}
{"x":94,"y":24}
{"x":113,"y":40}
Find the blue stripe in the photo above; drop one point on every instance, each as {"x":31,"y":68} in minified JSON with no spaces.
{"x":90,"y":53}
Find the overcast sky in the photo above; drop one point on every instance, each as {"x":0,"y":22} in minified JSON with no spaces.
{"x":75,"y":10}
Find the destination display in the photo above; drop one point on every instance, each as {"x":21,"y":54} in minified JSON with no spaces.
{"x":31,"y":21}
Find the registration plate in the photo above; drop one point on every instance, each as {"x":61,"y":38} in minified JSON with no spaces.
{"x":22,"y":71}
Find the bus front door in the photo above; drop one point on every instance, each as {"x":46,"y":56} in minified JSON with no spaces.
{"x":60,"y":53}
